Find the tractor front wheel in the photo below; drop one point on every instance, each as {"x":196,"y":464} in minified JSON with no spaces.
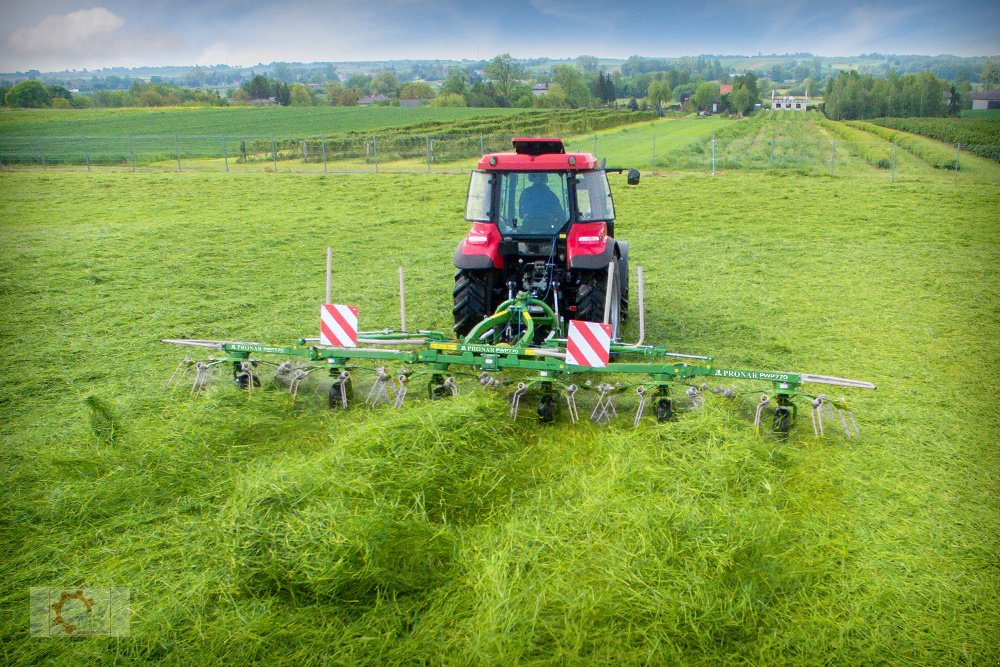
{"x":472,"y":299}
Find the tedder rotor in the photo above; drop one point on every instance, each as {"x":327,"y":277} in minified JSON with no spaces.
{"x":541,"y":293}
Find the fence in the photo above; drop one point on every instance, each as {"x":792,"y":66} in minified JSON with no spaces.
{"x":457,"y":153}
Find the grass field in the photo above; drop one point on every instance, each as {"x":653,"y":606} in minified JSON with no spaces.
{"x":282,"y":122}
{"x":251,"y":530}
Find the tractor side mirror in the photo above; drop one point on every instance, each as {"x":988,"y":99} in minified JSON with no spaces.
{"x":633,"y":177}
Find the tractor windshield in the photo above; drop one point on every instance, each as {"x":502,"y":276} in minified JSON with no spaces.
{"x":533,"y":203}
{"x":593,"y":196}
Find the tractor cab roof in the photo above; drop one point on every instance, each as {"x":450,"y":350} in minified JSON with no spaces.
{"x":538,"y":154}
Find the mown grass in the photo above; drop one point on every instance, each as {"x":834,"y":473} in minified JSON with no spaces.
{"x":249,"y":529}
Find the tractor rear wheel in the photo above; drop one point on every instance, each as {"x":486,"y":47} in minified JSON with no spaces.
{"x":591,"y":293}
{"x":472,"y":298}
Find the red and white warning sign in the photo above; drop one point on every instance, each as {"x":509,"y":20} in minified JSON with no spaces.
{"x":589,"y":344}
{"x":338,"y":325}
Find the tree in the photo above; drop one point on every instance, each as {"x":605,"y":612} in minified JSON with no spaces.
{"x":150,"y":98}
{"x":28,"y":94}
{"x":740,"y":100}
{"x":239,"y":98}
{"x":385,"y":83}
{"x":59,"y":91}
{"x":504,"y":73}
{"x":588,"y":64}
{"x":577,"y":92}
{"x":332,"y":89}
{"x":348,"y":97}
{"x":658,"y":92}
{"x":989,"y":75}
{"x":705,"y":95}
{"x":555,"y":98}
{"x":282,"y":72}
{"x":417,"y":90}
{"x":258,"y":88}
{"x":300,"y":96}
{"x":455,"y":83}
{"x":359,"y":82}
{"x":448,"y":100}
{"x":282,"y":95}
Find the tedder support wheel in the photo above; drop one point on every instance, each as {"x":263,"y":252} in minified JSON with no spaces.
{"x":472,"y":298}
{"x":338,"y":400}
{"x":664,"y":409}
{"x":548,"y":408}
{"x":782,"y":420}
{"x":590,"y":297}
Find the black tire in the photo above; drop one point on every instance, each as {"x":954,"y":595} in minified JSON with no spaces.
{"x":548,"y":408}
{"x":472,"y":298}
{"x":244,"y":380}
{"x":623,"y":277}
{"x":334,"y":399}
{"x":590,"y":296}
{"x":782,"y":420}
{"x":664,"y":409}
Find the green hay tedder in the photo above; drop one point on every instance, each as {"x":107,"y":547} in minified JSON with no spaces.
{"x":541,"y":293}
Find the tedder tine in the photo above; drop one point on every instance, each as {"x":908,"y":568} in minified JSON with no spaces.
{"x":402,"y":379}
{"x":183,"y":367}
{"x":765,"y":401}
{"x":697,"y":400}
{"x":604,"y":410}
{"x":379,"y":393}
{"x":817,"y":414}
{"x":574,"y":416}
{"x":641,"y":390}
{"x":515,"y":399}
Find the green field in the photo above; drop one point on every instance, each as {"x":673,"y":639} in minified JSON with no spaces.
{"x":282,"y":122}
{"x":253,"y":530}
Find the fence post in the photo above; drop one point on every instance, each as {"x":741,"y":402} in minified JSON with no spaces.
{"x":131,"y":152}
{"x":225,"y":152}
{"x":322,"y":143}
{"x":375,"y":151}
{"x":41,"y":154}
{"x":713,"y":156}
{"x":652,"y":161}
{"x":482,"y":146}
{"x":274,"y":154}
{"x":428,"y":139}
{"x":595,"y":145}
{"x":305,"y":153}
{"x":894,"y":162}
{"x":770,"y":157}
{"x":177,"y":147}
{"x":958,"y":155}
{"x":833,"y":157}
{"x":86,"y":152}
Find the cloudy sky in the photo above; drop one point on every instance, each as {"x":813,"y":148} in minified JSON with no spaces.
{"x":57,"y":34}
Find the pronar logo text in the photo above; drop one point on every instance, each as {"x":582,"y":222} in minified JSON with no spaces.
{"x":256,"y":348}
{"x":751,"y":375}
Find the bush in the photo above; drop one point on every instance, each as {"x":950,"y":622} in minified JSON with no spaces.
{"x":29,"y":94}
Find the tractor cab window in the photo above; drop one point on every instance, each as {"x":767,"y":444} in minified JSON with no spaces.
{"x":593,"y":196}
{"x":533,"y":203}
{"x":477,"y":206}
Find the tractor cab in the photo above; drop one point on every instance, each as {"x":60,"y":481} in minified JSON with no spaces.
{"x":543,"y":222}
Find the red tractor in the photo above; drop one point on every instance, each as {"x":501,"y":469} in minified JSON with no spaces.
{"x":543,"y":222}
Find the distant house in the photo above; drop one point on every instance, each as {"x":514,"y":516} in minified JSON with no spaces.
{"x":989,"y":99}
{"x":371,"y":99}
{"x":685,"y":98}
{"x":790,"y":103}
{"x":725,"y":89}
{"x":410,"y":103}
{"x":540,"y":89}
